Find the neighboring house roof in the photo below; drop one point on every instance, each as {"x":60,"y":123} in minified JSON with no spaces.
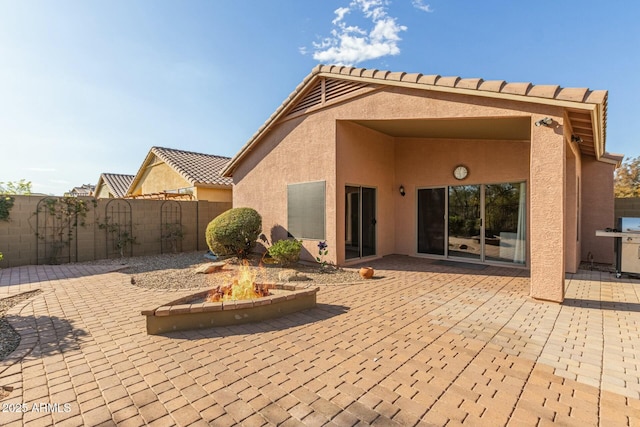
{"x":118,"y":184}
{"x":326,"y":84}
{"x":83,"y":190}
{"x":197,"y":168}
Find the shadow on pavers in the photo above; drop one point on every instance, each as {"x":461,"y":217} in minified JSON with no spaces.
{"x":408,"y":263}
{"x":602,"y":305}
{"x":42,"y":336}
{"x":319,"y":313}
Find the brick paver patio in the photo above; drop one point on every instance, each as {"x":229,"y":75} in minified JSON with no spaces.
{"x":421,"y":344}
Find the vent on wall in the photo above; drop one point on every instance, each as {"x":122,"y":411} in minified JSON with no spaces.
{"x":325,"y":91}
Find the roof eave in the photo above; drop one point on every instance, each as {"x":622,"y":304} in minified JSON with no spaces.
{"x":597,"y":109}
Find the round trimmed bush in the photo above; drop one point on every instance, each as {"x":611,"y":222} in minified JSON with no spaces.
{"x":234,"y":232}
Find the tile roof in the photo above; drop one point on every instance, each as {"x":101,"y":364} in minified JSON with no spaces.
{"x":577,"y":100}
{"x":196,"y":168}
{"x":118,"y":184}
{"x":83,"y":190}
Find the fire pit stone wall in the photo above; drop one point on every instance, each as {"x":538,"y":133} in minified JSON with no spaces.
{"x":191,"y":312}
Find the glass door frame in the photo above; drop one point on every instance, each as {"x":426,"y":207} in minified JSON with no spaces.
{"x":445,"y":219}
{"x":360,"y":222}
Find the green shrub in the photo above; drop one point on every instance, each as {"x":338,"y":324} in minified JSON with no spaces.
{"x":234,"y":232}
{"x":286,"y":252}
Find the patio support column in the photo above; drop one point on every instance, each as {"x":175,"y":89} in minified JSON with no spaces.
{"x":547,"y":210}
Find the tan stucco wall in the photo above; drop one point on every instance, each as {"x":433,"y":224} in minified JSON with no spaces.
{"x":157,"y":178}
{"x":213,"y":194}
{"x":366,"y":158}
{"x":301,"y":150}
{"x":598,"y":209}
{"x":102,"y":192}
{"x":547,"y":209}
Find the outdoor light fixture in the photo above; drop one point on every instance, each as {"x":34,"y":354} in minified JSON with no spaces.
{"x":547,"y":121}
{"x":576,"y":139}
{"x":402,"y":193}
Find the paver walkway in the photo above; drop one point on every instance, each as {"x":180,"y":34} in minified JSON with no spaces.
{"x":421,"y":344}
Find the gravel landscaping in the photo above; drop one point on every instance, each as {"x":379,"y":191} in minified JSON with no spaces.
{"x":177,"y":271}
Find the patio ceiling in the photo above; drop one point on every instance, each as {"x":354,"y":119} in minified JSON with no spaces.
{"x":508,"y":128}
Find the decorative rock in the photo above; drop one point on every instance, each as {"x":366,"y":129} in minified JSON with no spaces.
{"x":291,"y":276}
{"x":366,"y":272}
{"x":208,"y":268}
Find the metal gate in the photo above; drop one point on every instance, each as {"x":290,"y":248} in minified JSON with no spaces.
{"x":171,"y":227}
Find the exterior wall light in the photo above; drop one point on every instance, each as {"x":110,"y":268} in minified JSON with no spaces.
{"x":547,"y":121}
{"x":402,"y":193}
{"x":576,"y":139}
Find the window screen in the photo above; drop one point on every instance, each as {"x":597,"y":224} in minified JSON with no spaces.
{"x":305,"y":210}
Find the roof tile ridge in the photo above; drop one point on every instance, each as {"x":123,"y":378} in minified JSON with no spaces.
{"x":517,"y":88}
{"x":346,"y":70}
{"x":469,"y":83}
{"x":449,"y":81}
{"x":411,"y":77}
{"x":430,"y":79}
{"x":578,"y":94}
{"x":396,"y":76}
{"x":492,"y":85}
{"x":598,"y":96}
{"x":381,"y":74}
{"x":369,"y":72}
{"x":544,"y":91}
{"x":181,"y":151}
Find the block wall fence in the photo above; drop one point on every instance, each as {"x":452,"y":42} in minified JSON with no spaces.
{"x":22,"y":240}
{"x":629,"y":207}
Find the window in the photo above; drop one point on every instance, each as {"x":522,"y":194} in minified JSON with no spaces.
{"x":306,"y":210}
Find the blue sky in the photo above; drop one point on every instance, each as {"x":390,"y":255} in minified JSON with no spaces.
{"x":90,"y":86}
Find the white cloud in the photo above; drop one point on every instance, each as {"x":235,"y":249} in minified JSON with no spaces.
{"x":351,"y":44}
{"x":419,"y":4}
{"x":340,"y":13}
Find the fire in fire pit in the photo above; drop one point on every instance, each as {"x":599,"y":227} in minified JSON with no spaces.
{"x":241,"y":301}
{"x":242,"y":287}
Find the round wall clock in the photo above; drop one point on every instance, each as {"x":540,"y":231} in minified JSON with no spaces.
{"x":460,"y":172}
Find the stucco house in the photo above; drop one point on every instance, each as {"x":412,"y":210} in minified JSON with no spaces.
{"x":168,"y":173}
{"x":113,"y":185}
{"x":488,"y":172}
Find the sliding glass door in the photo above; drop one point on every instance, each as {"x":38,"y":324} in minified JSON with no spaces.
{"x":360,"y":222}
{"x":464,"y":222}
{"x":485,"y":222}
{"x":431,"y":228}
{"x":505,"y":222}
